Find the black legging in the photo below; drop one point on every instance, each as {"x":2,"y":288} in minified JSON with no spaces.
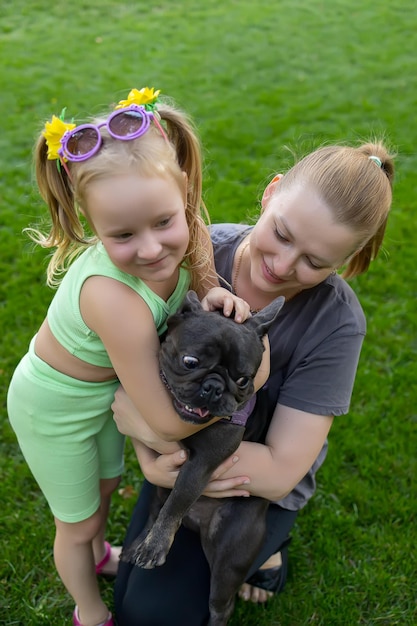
{"x":177,"y":593}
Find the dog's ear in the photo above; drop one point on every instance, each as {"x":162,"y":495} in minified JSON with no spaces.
{"x":191,"y":303}
{"x":262,"y":321}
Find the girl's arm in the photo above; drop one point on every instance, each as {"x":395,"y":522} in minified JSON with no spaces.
{"x":126,"y":327}
{"x":130,"y":422}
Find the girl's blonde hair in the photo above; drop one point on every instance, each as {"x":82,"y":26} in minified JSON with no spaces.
{"x":357,"y":190}
{"x":150,"y":155}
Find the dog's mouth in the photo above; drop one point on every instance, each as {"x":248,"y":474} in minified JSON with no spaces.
{"x":189,"y":413}
{"x":199,"y":413}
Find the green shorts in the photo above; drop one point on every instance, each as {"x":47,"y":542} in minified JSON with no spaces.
{"x":67,"y":435}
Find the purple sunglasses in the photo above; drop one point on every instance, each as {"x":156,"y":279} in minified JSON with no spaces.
{"x":83,"y":142}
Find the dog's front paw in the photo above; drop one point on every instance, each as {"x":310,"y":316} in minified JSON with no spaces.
{"x":146,"y":552}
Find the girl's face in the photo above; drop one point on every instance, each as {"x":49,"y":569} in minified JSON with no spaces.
{"x":141,"y":223}
{"x":296,"y":243}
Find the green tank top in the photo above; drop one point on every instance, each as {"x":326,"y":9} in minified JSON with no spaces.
{"x":64,"y":315}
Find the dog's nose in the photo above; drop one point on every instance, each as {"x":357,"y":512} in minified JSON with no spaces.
{"x":212,"y":389}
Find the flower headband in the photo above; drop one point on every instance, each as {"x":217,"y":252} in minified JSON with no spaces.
{"x":145,"y":96}
{"x":130,"y":119}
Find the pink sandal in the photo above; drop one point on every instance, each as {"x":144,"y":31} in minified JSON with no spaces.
{"x":76,"y":619}
{"x":105,"y":559}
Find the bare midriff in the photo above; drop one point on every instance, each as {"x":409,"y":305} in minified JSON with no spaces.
{"x":54,"y":354}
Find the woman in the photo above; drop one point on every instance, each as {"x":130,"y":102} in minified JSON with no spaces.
{"x":327,"y":213}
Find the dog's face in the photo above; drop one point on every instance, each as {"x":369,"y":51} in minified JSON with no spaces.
{"x":208,"y":361}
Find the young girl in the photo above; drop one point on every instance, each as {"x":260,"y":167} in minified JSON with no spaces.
{"x":137,"y":185}
{"x":328,"y":212}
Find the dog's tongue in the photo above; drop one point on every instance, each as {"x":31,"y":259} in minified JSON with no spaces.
{"x":197,"y":410}
{"x":201,"y":412}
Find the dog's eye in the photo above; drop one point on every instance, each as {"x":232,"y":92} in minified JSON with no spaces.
{"x":190,"y":362}
{"x":242,"y":382}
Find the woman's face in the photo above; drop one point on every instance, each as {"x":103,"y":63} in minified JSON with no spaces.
{"x":296,"y":243}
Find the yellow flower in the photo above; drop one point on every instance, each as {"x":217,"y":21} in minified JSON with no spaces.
{"x":143,"y":96}
{"x":53,"y":133}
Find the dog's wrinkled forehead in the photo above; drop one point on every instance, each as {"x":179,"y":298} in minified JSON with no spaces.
{"x":206,"y":327}
{"x":194,"y":329}
{"x":220,"y":340}
{"x":212,"y":329}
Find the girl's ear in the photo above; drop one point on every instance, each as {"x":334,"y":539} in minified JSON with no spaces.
{"x":270,"y":190}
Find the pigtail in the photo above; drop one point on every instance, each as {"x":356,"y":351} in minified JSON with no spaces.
{"x":66,"y":232}
{"x":183,"y":136}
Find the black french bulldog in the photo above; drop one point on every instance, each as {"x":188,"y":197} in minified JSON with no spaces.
{"x":208,"y":363}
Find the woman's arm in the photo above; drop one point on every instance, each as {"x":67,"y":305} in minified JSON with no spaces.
{"x":293,"y":443}
{"x":163,"y":469}
{"x":271,"y":471}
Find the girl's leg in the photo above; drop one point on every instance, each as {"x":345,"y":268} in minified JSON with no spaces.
{"x":107,"y":487}
{"x":74,"y":560}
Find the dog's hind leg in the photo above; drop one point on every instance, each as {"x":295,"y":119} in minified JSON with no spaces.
{"x":235,"y":537}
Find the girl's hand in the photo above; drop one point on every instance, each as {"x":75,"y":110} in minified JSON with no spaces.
{"x":219,"y":298}
{"x":160,"y":469}
{"x":131,"y":423}
{"x":128,"y":419}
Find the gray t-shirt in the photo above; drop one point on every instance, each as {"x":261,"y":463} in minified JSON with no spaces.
{"x":315,"y":347}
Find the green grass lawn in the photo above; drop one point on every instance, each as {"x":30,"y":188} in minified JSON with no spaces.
{"x":258,"y":77}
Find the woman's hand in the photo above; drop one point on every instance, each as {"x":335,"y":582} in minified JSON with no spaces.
{"x":219,"y":298}
{"x":163,"y":469}
{"x":219,"y":487}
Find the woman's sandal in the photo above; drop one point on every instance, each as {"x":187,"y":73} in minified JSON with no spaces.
{"x":76,"y":619}
{"x":273,"y":578}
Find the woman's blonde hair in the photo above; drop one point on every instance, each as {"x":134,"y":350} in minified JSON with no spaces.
{"x":150,"y":155}
{"x":357,"y":189}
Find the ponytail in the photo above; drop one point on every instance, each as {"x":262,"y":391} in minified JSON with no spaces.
{"x":361,"y":261}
